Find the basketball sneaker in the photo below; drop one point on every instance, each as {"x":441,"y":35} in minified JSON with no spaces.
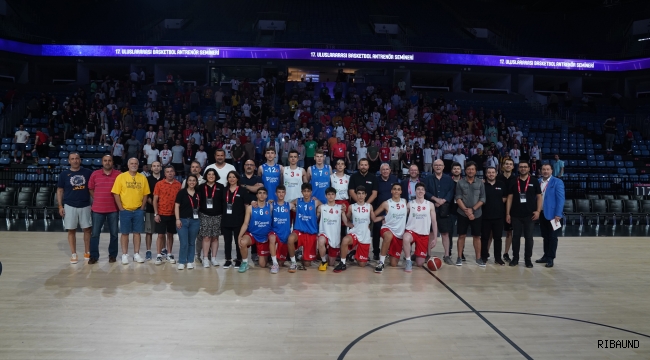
{"x":379,"y":268}
{"x":480,"y":262}
{"x":340,"y":267}
{"x":275,"y":269}
{"x":322,"y":266}
{"x":237,"y":263}
{"x":138,"y":258}
{"x":409,"y":266}
{"x":447,"y":260}
{"x":206,"y":263}
{"x":181,"y":267}
{"x":227,"y":264}
{"x":243,"y":267}
{"x":125,"y":259}
{"x":73,"y":259}
{"x":147,"y":256}
{"x":190,"y":265}
{"x":170,"y":259}
{"x":159,"y":260}
{"x":86,"y":256}
{"x":164,"y":252}
{"x":459,"y":262}
{"x":215,"y":263}
{"x":293,"y":267}
{"x":350,"y":256}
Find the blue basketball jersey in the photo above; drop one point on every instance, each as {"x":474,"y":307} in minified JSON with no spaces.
{"x":282,"y":221}
{"x":271,"y":179}
{"x":320,"y":181}
{"x":260,"y":223}
{"x":306,"y":219}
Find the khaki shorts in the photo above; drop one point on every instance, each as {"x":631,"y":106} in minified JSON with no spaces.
{"x":77,"y":217}
{"x":149,"y":223}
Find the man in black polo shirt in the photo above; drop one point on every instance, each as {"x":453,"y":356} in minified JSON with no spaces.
{"x":250,"y":181}
{"x":496,"y":195}
{"x":364,"y":178}
{"x":522,"y":209}
{"x":508,"y":179}
{"x":385,"y":182}
{"x":149,"y":222}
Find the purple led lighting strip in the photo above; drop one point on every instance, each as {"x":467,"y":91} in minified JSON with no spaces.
{"x":319,"y":54}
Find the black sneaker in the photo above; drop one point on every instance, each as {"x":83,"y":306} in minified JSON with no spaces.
{"x":164,"y":252}
{"x":506,"y":257}
{"x":255,"y":258}
{"x":227,"y":264}
{"x":299,"y":254}
{"x":463,"y":257}
{"x":379,"y":268}
{"x":237,"y":263}
{"x":350,"y":256}
{"x":340,"y":267}
{"x":529,"y":264}
{"x":375,"y":257}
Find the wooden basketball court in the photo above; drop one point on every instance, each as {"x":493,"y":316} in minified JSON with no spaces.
{"x":597,"y":291}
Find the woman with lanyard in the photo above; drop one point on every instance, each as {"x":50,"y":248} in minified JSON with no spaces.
{"x":234,"y":210}
{"x":210,"y":212}
{"x":187,"y":221}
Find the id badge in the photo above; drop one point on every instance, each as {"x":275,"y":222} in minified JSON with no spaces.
{"x":522,"y":198}
{"x":195,"y":213}
{"x":208,"y":204}
{"x":228,"y":209}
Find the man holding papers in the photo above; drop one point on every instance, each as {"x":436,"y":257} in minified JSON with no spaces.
{"x":549,"y":221}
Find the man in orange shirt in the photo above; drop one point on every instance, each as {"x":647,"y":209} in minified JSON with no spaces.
{"x":164,"y":200}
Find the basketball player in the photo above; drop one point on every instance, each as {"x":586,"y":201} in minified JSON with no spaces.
{"x":271,"y":173}
{"x":256,"y":229}
{"x":319,"y":176}
{"x":393,"y":228}
{"x":421,"y":218}
{"x":293,"y":177}
{"x":305,"y":229}
{"x":340,"y":182}
{"x":280,"y":229}
{"x":359,"y":237}
{"x":329,"y":234}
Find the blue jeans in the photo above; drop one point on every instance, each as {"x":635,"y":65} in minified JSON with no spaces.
{"x":98,"y":223}
{"x":187,"y":234}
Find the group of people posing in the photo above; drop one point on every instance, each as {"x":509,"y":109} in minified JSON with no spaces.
{"x":319,"y":213}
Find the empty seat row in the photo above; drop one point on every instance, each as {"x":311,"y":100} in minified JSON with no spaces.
{"x":28,"y":202}
{"x":613,"y":210}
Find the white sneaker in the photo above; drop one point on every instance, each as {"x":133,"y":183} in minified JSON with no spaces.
{"x":159,"y":260}
{"x":215,"y":263}
{"x":125,"y":259}
{"x":206,"y":263}
{"x":190,"y":266}
{"x":181,"y":267}
{"x":138,"y":258}
{"x":170,"y":259}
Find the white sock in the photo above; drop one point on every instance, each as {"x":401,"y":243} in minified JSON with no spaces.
{"x":343,"y":260}
{"x":275,"y":260}
{"x":245,"y":261}
{"x":158,"y":255}
{"x":293,"y":259}
{"x":408,"y":259}
{"x":382,"y":259}
{"x":323,"y":259}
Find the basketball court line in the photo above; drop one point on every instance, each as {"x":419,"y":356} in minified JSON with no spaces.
{"x":474,"y":311}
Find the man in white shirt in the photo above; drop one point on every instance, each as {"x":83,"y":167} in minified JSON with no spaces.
{"x":517,"y":134}
{"x":152,"y":94}
{"x":234,"y":84}
{"x":515,"y":153}
{"x":428,"y":158}
{"x":20,"y":140}
{"x":151,"y":153}
{"x":201,"y":156}
{"x":460,"y":158}
{"x":221,"y":166}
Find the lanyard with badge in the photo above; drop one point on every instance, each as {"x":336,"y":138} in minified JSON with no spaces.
{"x":228,"y":203}
{"x":522,"y":197}
{"x":195,"y":211}
{"x":208,"y":200}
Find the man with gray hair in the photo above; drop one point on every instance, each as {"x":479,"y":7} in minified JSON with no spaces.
{"x":440,"y":191}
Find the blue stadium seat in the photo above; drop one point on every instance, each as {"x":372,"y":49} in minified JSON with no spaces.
{"x":631,"y":171}
{"x":20,"y":177}
{"x":86,"y":162}
{"x":5,"y":147}
{"x":78,"y":136}
{"x":91,"y":148}
{"x":5,"y":161}
{"x":582,"y":163}
{"x":80,"y":142}
{"x":592,"y":163}
{"x":71,"y":148}
{"x":620,"y":164}
{"x":611,"y":164}
{"x":564,"y":151}
{"x":573,"y":163}
{"x":629,"y":164}
{"x":636,"y":152}
{"x":69,"y":142}
{"x":546,"y":150}
{"x":63,"y":154}
{"x":43,"y":161}
{"x":598,"y":146}
{"x":581,"y":151}
{"x":97,"y":162}
{"x":54,"y":161}
{"x":32,"y":177}
{"x":600,"y":157}
{"x":81,"y":148}
{"x":7,"y":140}
{"x":645,"y":153}
{"x":590,"y":151}
{"x":618,"y":157}
{"x":573,"y":151}
{"x":591,"y":157}
{"x":622,"y":171}
{"x":601,"y":164}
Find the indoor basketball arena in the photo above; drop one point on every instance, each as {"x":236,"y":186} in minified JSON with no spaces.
{"x":340,"y":180}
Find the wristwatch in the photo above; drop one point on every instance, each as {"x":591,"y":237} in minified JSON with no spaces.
{"x":154,"y":215}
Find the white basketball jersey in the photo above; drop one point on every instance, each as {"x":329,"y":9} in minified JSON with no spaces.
{"x":293,"y":182}
{"x":330,"y":224}
{"x":341,"y":186}
{"x":396,"y":217}
{"x":361,"y":221}
{"x":419,"y":220}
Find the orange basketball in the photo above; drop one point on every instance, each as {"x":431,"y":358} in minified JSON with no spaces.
{"x":434,"y":263}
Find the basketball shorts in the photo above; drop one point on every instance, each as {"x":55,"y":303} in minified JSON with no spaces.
{"x":308,"y":243}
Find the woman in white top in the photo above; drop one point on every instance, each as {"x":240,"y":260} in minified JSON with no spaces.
{"x":392,"y":230}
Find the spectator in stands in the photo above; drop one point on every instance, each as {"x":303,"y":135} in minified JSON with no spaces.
{"x":104,"y":209}
{"x":21,"y":138}
{"x":41,"y":147}
{"x":610,"y":133}
{"x":73,"y":197}
{"x":552,"y":190}
{"x":117,"y":151}
{"x":558,"y":167}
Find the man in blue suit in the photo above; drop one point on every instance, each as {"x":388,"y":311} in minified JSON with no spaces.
{"x":553,"y":200}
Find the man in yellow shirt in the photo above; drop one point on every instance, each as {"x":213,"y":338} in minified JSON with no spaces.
{"x":130,"y":191}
